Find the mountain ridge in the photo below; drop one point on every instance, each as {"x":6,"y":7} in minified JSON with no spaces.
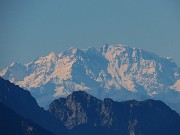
{"x":114,"y":71}
{"x":21,"y":101}
{"x":82,"y":114}
{"x":81,"y":111}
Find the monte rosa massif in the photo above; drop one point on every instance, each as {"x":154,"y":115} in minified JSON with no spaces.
{"x":111,"y":71}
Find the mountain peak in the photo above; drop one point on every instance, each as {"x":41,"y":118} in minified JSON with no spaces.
{"x":51,"y":54}
{"x":80,"y":96}
{"x":79,"y":93}
{"x":114,"y":71}
{"x":121,"y":117}
{"x":107,"y":47}
{"x":73,"y":50}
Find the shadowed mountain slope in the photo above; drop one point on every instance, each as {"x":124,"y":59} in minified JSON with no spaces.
{"x":81,"y":111}
{"x":13,"y":124}
{"x":26,"y":106}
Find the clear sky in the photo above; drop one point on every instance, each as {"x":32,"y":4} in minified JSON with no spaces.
{"x":33,"y":28}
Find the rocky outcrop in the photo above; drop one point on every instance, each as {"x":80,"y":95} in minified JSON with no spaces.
{"x":81,"y":111}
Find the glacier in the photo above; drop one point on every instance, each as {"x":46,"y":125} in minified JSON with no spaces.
{"x":111,"y":71}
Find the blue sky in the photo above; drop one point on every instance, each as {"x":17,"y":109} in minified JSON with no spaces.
{"x":33,"y":28}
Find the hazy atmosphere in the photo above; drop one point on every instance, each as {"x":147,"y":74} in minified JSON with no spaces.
{"x":90,"y":67}
{"x":29,"y":29}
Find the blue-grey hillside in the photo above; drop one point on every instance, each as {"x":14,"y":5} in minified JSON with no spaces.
{"x":85,"y":114}
{"x":21,"y":102}
{"x":13,"y":124}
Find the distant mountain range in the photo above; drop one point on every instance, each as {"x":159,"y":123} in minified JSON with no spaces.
{"x":82,"y":114}
{"x":114,"y":71}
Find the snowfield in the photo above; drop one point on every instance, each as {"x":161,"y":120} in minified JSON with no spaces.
{"x":115,"y":71}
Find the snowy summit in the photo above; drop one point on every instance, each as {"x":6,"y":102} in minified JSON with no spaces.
{"x":114,"y":71}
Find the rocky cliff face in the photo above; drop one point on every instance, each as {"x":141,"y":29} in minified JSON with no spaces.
{"x":82,"y":111}
{"x":115,"y":71}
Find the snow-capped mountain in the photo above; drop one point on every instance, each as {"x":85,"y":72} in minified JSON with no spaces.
{"x":114,"y":71}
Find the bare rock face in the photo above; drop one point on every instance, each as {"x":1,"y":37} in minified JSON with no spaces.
{"x":76,"y":109}
{"x":82,"y":112}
